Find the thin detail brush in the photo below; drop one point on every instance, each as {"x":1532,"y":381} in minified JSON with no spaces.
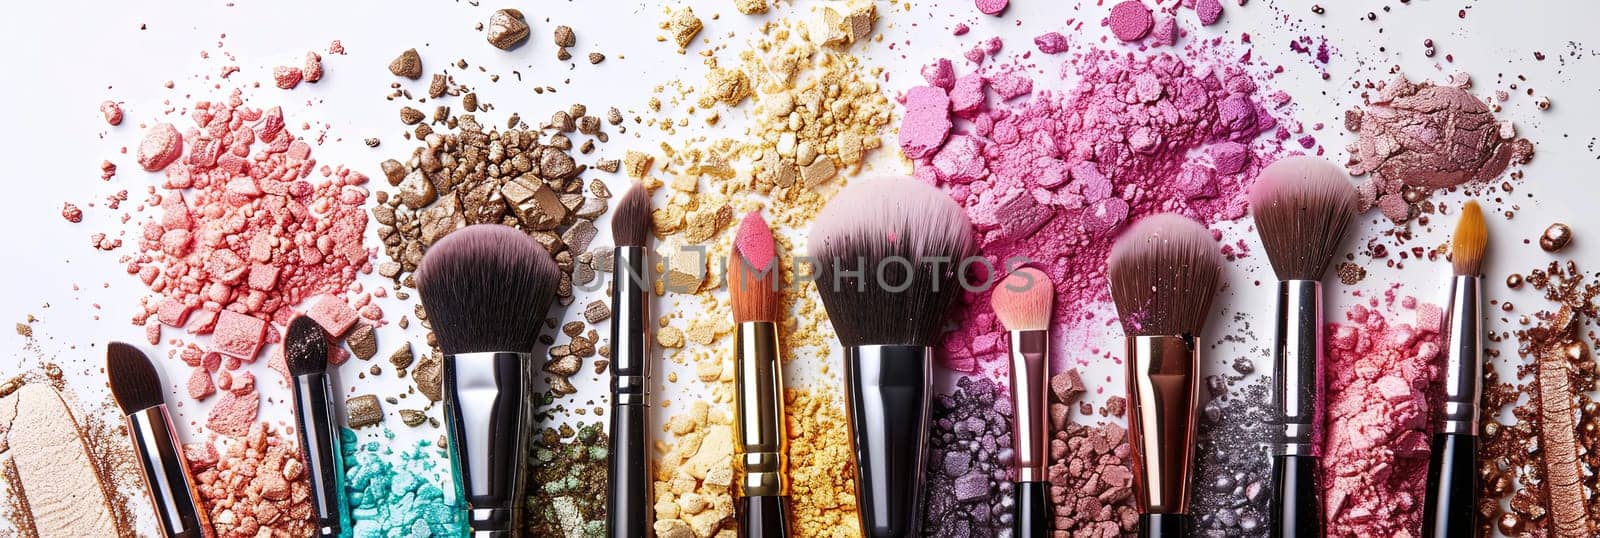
{"x":1451,"y":505}
{"x":1023,"y":302}
{"x":316,"y":419}
{"x":761,"y":455}
{"x":629,"y":511}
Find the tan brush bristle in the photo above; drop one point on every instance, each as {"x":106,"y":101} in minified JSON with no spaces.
{"x":1023,"y":300}
{"x":1469,"y":242}
{"x":755,"y":295}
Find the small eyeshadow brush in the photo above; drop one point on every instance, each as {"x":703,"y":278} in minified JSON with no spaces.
{"x":629,"y":510}
{"x":1302,"y":205}
{"x":1023,"y":302}
{"x":486,"y":289}
{"x":761,"y":456}
{"x":1451,"y":506}
{"x":137,"y":388}
{"x":306,"y":353}
{"x":1164,"y":272}
{"x":887,"y":250}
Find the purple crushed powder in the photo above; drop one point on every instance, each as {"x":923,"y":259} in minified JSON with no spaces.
{"x":969,"y":490}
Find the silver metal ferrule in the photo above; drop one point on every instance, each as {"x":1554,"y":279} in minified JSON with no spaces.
{"x":487,"y":404}
{"x":1463,"y":370}
{"x":630,"y":326}
{"x":1030,"y":427}
{"x":1297,"y":368}
{"x":172,"y":489}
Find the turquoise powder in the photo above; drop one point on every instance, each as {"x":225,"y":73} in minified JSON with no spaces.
{"x":399,"y":495}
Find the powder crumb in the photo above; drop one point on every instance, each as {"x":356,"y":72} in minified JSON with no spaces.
{"x":285,"y":77}
{"x":1210,"y":11}
{"x":234,"y":414}
{"x":1130,"y":20}
{"x":750,"y":7}
{"x":71,"y":212}
{"x":682,"y":25}
{"x":112,"y":112}
{"x":1051,"y":42}
{"x":312,"y":71}
{"x":257,"y":486}
{"x":926,"y":123}
{"x":992,"y":7}
{"x":161,"y":145}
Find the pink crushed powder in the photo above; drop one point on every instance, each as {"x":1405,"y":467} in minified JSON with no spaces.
{"x":1375,"y":446}
{"x":1053,"y":178}
{"x":112,"y":111}
{"x":927,"y":119}
{"x":312,"y":72}
{"x":1427,"y":136}
{"x":243,"y":235}
{"x":285,"y":77}
{"x":1051,"y":42}
{"x":992,"y":7}
{"x":1209,"y":11}
{"x":1130,"y":20}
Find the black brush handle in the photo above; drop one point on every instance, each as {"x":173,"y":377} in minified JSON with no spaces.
{"x":319,"y":442}
{"x":629,"y":508}
{"x":1296,"y":499}
{"x":1451,"y":507}
{"x":1154,"y":525}
{"x":1033,"y":511}
{"x":764,"y":517}
{"x":888,"y":390}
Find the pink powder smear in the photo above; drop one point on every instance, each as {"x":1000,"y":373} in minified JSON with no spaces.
{"x":1054,"y":177}
{"x":1375,"y":449}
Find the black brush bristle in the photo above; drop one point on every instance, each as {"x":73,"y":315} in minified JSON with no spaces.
{"x":1164,"y":272}
{"x":306,"y":347}
{"x":135,"y":385}
{"x":487,"y":288}
{"x":877,"y":223}
{"x":630,"y":223}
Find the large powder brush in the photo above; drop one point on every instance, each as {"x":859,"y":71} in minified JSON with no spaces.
{"x":1164,"y":273}
{"x":887,"y":253}
{"x":487,"y":288}
{"x":1302,"y":206}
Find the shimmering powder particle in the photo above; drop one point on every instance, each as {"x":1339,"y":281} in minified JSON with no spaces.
{"x":398,"y":492}
{"x":968,"y":488}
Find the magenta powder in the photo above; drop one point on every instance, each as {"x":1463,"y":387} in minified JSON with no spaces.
{"x":1054,"y":177}
{"x":1130,"y":20}
{"x":1376,"y":437}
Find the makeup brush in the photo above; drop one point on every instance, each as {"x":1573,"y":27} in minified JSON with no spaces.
{"x":887,"y":250}
{"x":137,"y":388}
{"x":306,"y":352}
{"x":1451,"y":506}
{"x":1023,"y":302}
{"x":486,"y":288}
{"x":629,"y":510}
{"x":1302,"y":207}
{"x":761,"y":456}
{"x":1164,"y":271}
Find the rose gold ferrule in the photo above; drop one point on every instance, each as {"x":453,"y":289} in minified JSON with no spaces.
{"x":1030,"y":374}
{"x":1163,"y":383}
{"x":761,"y":453}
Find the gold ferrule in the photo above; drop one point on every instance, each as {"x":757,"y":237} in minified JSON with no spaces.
{"x":761,"y":454}
{"x":1163,"y":382}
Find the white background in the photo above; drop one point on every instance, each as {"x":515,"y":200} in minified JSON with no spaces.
{"x":63,"y":58}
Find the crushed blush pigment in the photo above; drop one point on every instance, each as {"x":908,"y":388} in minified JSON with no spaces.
{"x":1091,"y":474}
{"x":1376,"y":446}
{"x":1413,"y":138}
{"x":257,"y":487}
{"x":1053,"y":177}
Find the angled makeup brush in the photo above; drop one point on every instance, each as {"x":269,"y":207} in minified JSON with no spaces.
{"x":486,"y":288}
{"x":761,"y":455}
{"x":1451,"y":506}
{"x":1023,"y":302}
{"x":306,"y":352}
{"x":886,"y":251}
{"x":137,"y":388}
{"x":629,"y":510}
{"x":1302,"y":207}
{"x":1164,"y":272}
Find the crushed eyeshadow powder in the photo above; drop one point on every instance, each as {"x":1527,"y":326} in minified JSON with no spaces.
{"x":1375,"y":449}
{"x":821,"y":464}
{"x":1063,"y":170}
{"x":1537,"y":470}
{"x":257,"y":485}
{"x":397,"y":492}
{"x":1091,"y":473}
{"x":567,"y":473}
{"x":1414,"y":138}
{"x":1232,"y":477}
{"x":968,"y":489}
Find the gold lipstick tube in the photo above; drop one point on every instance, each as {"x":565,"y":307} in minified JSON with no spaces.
{"x":1163,"y":383}
{"x":761,"y":454}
